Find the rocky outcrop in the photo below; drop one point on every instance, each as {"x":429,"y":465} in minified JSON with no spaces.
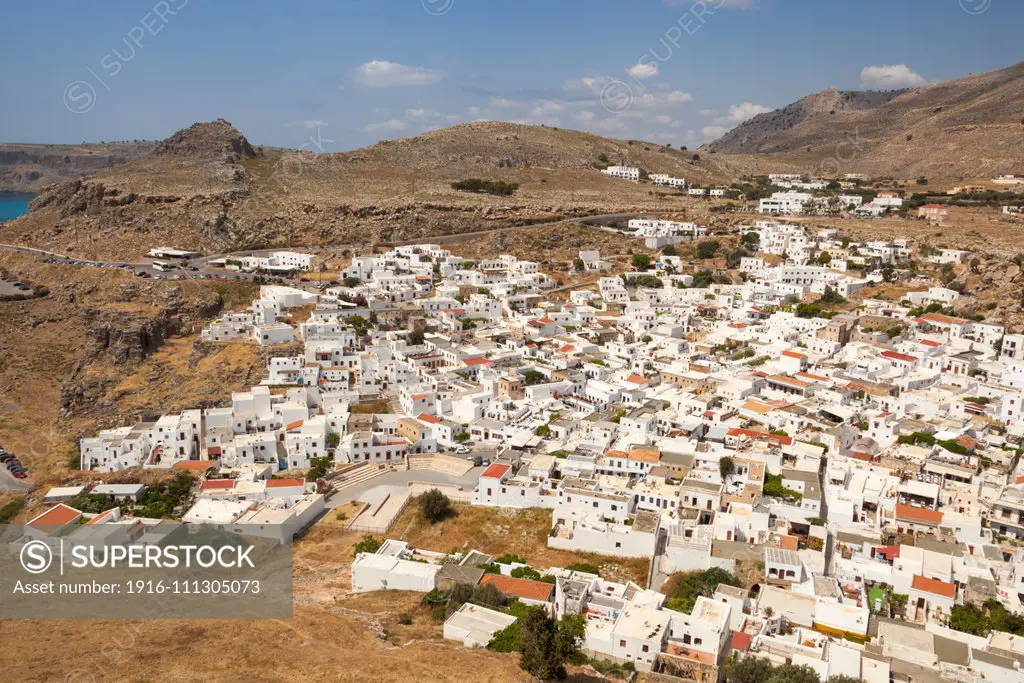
{"x":30,"y":168}
{"x":212,"y":139}
{"x":117,"y":341}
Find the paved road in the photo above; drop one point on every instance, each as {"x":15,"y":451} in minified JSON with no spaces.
{"x":374,"y":490}
{"x":203,"y":267}
{"x":9,"y":484}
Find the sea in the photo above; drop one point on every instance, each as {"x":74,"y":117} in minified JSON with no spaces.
{"x":13,"y":204}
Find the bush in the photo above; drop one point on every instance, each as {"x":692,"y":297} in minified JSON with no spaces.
{"x":495,"y":187}
{"x":435,"y":506}
{"x":690,"y":586}
{"x":509,"y":558}
{"x":11,"y":510}
{"x":584,"y":567}
{"x":405,"y":619}
{"x":641,"y":261}
{"x":525,"y":573}
{"x":707,"y":249}
{"x":369,"y":544}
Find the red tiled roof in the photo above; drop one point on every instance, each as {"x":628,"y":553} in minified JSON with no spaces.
{"x":637,"y":379}
{"x":918,"y":514}
{"x":923,"y":583}
{"x":198,"y":465}
{"x":521,"y":588}
{"x":940,"y":319}
{"x":898,"y":356}
{"x":496,"y":471}
{"x":793,"y":354}
{"x":929,"y":342}
{"x":58,"y":515}
{"x":753,"y":433}
{"x":293,"y":425}
{"x":281,"y":483}
{"x":889,"y":552}
{"x":432,"y":419}
{"x":741,"y":641}
{"x":218,"y":484}
{"x":477,"y":361}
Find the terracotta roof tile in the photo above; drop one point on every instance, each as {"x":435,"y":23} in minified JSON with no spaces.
{"x":520,"y":588}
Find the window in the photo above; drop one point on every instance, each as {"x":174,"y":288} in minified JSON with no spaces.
{"x":622,"y":643}
{"x":646,"y":648}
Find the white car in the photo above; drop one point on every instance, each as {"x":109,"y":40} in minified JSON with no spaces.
{"x":463,"y":450}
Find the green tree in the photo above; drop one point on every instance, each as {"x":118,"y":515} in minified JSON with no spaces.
{"x":748,"y":670}
{"x":531,"y":377}
{"x":369,"y":544}
{"x":415,"y":338}
{"x":824,"y":258}
{"x":791,"y":673}
{"x":542,"y":650}
{"x":669,"y":250}
{"x":707,"y":249}
{"x":726,"y":466}
{"x":435,"y":506}
{"x":750,"y":239}
{"x":685,"y":589}
{"x":578,"y":264}
{"x":641,"y":261}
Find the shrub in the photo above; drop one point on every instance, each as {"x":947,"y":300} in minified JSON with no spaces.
{"x":495,"y":187}
{"x":707,"y":249}
{"x":641,"y":261}
{"x":435,"y":506}
{"x":404,"y":619}
{"x":369,"y":544}
{"x":584,"y":567}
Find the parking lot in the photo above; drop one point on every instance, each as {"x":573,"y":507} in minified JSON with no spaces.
{"x":13,"y":288}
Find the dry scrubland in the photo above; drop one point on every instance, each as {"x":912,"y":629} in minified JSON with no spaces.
{"x":333,"y":635}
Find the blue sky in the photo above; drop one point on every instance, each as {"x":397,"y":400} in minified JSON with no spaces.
{"x":347,"y":73}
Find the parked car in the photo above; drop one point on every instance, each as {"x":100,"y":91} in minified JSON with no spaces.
{"x":462,"y":450}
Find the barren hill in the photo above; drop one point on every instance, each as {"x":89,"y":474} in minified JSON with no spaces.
{"x":29,"y":168}
{"x":207,"y":188}
{"x":963,"y":128}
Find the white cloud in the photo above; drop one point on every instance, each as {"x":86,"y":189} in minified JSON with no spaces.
{"x":584,"y":116}
{"x":738,"y":113}
{"x":547,"y":107}
{"x":384,"y":74}
{"x":393,"y":124}
{"x":667,"y":100}
{"x":709,"y":112}
{"x":890,"y":77}
{"x":643,"y":70}
{"x":714,"y":131}
{"x":422,"y":114}
{"x":308,"y":124}
{"x":506,"y":103}
{"x":663,"y":118}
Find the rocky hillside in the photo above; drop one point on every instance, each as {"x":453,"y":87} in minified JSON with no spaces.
{"x":765,"y":133}
{"x":963,"y":128}
{"x":207,"y":188}
{"x":29,"y":168}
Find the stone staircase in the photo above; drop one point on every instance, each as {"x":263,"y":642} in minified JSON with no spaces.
{"x":445,"y":464}
{"x":358,"y":474}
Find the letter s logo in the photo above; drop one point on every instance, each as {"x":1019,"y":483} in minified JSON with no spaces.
{"x":36,"y":557}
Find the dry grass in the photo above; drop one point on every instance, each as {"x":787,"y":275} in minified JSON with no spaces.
{"x":521,"y":532}
{"x":320,"y":643}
